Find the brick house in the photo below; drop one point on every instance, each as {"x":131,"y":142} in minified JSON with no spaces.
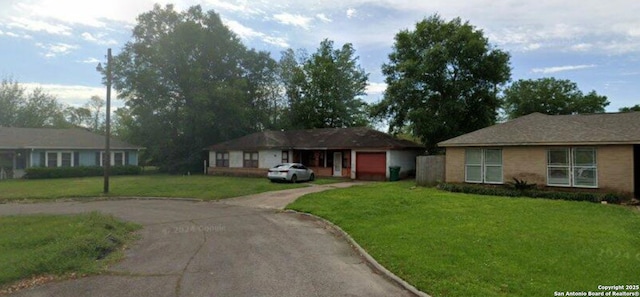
{"x":595,"y":151}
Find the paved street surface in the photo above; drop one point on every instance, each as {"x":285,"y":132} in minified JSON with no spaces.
{"x":228,"y":248}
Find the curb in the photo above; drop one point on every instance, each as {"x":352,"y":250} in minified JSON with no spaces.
{"x":371,"y":261}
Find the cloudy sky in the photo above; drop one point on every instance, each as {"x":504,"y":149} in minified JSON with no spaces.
{"x":56,"y":44}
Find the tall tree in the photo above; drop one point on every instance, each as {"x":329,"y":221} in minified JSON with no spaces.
{"x":550,"y":96}
{"x":442,"y":81}
{"x":629,"y":109}
{"x":95,"y":106}
{"x":34,"y":109}
{"x":188,"y":82}
{"x":324,"y":89}
{"x":12,"y":96}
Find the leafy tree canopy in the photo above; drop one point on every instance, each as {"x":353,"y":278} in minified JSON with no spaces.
{"x":629,"y":109}
{"x":550,"y":96}
{"x":442,"y":81}
{"x":188,"y":82}
{"x":324,"y":89}
{"x":35,"y":109}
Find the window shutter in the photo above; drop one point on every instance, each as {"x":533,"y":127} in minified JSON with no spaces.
{"x":97,"y":158}
{"x":76,"y":159}
{"x":126,"y":158}
{"x":43,"y":159}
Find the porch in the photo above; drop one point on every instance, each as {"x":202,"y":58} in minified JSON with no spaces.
{"x":325,"y":162}
{"x":12,"y":164}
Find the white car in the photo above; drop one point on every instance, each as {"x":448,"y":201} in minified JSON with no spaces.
{"x":292,"y":172}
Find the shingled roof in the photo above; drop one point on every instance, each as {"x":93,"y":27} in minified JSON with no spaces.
{"x":541,"y":129}
{"x":50,"y":138}
{"x":328,"y":138}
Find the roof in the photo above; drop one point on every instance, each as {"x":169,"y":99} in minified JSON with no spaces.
{"x":327,"y":138}
{"x":52,"y":138}
{"x":541,"y":129}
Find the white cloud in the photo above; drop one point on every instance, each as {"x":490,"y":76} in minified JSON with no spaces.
{"x":74,"y":95}
{"x":351,"y":12}
{"x":582,"y":47}
{"x":99,"y":38}
{"x":56,"y":49}
{"x":293,"y":19}
{"x":375,"y":88}
{"x":323,"y":17}
{"x":90,"y":61}
{"x":247,"y":33}
{"x":39,"y":26}
{"x":231,"y":7}
{"x":556,"y":69}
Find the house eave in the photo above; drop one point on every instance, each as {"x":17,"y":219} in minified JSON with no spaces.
{"x":581,"y":143}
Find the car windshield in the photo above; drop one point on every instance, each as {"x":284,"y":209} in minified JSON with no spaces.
{"x":280,"y":166}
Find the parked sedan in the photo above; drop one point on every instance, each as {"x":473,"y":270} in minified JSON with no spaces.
{"x":292,"y":172}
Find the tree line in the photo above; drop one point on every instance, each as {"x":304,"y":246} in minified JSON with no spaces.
{"x":188,"y":82}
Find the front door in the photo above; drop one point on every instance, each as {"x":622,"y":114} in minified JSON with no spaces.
{"x":337,"y":164}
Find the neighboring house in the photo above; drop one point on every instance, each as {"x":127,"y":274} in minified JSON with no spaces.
{"x":358,"y":153}
{"x":21,"y":148}
{"x":596,"y":151}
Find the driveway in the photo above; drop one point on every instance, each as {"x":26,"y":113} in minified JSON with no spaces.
{"x":235,"y":247}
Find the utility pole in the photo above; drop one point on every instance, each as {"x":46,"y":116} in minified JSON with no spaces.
{"x":107,"y":135}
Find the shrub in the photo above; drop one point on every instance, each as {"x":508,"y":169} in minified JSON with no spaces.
{"x":534,"y":193}
{"x":80,"y":171}
{"x":521,"y":185}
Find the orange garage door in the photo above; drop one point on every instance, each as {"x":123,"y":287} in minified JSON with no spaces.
{"x":371,"y":166}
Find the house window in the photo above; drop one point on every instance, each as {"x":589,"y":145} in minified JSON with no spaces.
{"x":483,"y":166}
{"x":250,"y":159}
{"x":222,"y":159}
{"x":52,"y":159}
{"x":59,"y":159}
{"x":117,"y":159}
{"x":285,"y":157}
{"x":572,"y":167}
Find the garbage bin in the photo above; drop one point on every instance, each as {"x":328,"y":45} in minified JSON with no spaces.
{"x":394,"y":173}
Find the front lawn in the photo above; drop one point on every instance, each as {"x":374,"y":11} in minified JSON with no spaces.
{"x":452,"y":244}
{"x":195,"y":186}
{"x":38,"y":245}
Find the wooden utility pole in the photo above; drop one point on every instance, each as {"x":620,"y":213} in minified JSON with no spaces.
{"x":107,"y":135}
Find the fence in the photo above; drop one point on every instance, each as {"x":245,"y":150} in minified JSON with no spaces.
{"x":429,"y":170}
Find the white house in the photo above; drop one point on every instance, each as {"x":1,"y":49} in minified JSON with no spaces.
{"x":358,"y":153}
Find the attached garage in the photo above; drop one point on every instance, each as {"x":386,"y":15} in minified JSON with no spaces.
{"x":371,"y":165}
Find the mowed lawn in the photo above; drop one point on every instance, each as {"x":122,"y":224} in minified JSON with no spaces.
{"x":451,"y":244}
{"x":37,"y":245}
{"x":195,"y":186}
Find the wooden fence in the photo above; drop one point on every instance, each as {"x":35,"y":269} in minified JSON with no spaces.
{"x":429,"y":170}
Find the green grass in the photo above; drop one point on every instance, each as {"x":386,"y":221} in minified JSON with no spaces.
{"x":37,"y":245}
{"x":195,"y":186}
{"x":451,"y":244}
{"x":329,"y":180}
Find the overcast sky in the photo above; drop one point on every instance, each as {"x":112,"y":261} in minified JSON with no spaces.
{"x":56,"y":44}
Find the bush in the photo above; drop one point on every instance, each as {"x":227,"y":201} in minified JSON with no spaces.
{"x":554,"y":195}
{"x":81,"y":171}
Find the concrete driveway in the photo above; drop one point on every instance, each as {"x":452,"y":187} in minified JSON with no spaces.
{"x":236,"y":247}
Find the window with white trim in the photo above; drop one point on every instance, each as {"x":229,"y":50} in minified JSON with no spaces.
{"x":572,"y":167}
{"x":483,"y":166}
{"x":117,"y":158}
{"x":59,"y":159}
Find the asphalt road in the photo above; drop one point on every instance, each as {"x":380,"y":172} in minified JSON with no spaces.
{"x":228,"y":248}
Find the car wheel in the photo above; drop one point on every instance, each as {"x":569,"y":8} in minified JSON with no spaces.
{"x":312,"y":177}
{"x":294,"y":178}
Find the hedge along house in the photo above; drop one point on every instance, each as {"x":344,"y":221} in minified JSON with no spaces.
{"x":596,"y":151}
{"x":22,"y":148}
{"x":357,"y":153}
